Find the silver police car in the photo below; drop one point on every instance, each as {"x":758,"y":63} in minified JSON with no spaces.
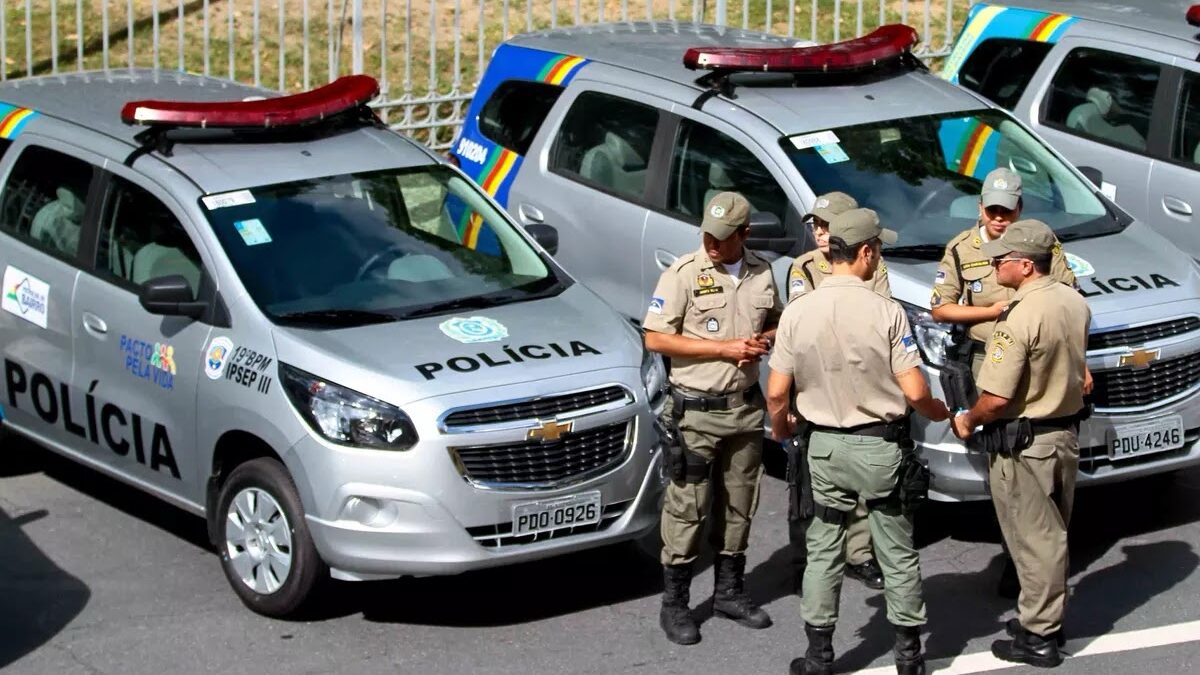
{"x":1115,"y":87}
{"x":281,"y":316}
{"x":618,"y":135}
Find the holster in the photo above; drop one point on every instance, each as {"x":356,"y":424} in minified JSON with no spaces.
{"x":799,"y":480}
{"x":1006,"y":437}
{"x":912,"y":484}
{"x":958,"y":382}
{"x":682,"y":465}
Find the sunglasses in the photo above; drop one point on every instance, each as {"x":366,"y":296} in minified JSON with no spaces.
{"x":997,"y":262}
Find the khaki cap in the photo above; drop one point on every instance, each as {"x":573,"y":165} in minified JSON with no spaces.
{"x":1024,"y":236}
{"x":1001,"y":187}
{"x":724,"y":214}
{"x":833,"y":204}
{"x":858,"y":225}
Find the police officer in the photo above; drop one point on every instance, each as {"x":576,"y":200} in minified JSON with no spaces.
{"x":713,"y":313}
{"x":1033,"y":381}
{"x":851,"y":358}
{"x":966,"y":291}
{"x":807,"y":272}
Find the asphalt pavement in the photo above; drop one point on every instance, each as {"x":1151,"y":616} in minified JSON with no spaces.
{"x":96,"y":577}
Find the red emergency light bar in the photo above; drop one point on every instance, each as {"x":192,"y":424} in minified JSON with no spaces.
{"x":343,"y":94}
{"x":1193,"y":15}
{"x":883,"y":44}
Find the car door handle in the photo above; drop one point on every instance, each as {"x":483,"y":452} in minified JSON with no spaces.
{"x":94,"y":324}
{"x":1177,"y":205}
{"x":529,"y":214}
{"x":664,"y":258}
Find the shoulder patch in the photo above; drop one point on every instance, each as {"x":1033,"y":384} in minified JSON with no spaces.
{"x":940,"y":277}
{"x":1000,"y":336}
{"x":997,"y":352}
{"x":656,"y":305}
{"x":910,"y":344}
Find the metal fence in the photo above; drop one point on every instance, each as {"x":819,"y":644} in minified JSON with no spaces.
{"x":427,"y":54}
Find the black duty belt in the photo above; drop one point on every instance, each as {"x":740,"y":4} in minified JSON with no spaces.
{"x":885,"y":430}
{"x":1054,"y":424}
{"x":688,"y":400}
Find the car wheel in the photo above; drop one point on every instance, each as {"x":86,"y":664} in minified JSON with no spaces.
{"x":267,"y":552}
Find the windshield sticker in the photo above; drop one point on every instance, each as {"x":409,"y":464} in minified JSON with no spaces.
{"x":216,"y":356}
{"x":226,"y":199}
{"x":832,"y":154}
{"x":248,"y":368}
{"x":117,"y":428}
{"x":150,"y":361}
{"x":1079,"y":266}
{"x":473,"y":329}
{"x":470,"y":364}
{"x":252,"y":231}
{"x":807,"y":141}
{"x":25,"y":296}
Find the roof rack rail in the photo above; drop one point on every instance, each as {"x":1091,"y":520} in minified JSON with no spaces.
{"x":883,"y":46}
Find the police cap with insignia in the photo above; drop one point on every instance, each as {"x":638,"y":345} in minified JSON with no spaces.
{"x":724,"y":214}
{"x":1001,"y":187}
{"x":858,"y":225}
{"x":831,"y":205}
{"x":1032,"y":237}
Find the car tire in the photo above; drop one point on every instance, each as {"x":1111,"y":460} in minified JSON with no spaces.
{"x":266,"y":550}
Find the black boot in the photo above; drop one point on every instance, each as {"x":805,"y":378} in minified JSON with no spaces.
{"x":868,"y":573}
{"x":818,"y":660}
{"x":909,"y":659}
{"x":1013,"y":628}
{"x":1030,"y":648}
{"x":675,"y":618}
{"x":1009,"y":585}
{"x":729,"y":597}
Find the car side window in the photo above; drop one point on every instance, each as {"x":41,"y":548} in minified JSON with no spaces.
{"x":141,"y":239}
{"x":1104,"y":96}
{"x":44,"y":200}
{"x":514,"y":112}
{"x":1001,"y":68}
{"x":707,"y":162}
{"x":605,"y":141}
{"x":1186,"y":147}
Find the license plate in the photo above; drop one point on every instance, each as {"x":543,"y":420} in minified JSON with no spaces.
{"x":1144,"y":438}
{"x":554,"y":514}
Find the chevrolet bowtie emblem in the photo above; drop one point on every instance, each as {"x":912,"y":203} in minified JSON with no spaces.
{"x":1141,"y":358}
{"x":548,"y":432}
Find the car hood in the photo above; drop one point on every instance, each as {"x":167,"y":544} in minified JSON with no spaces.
{"x":574,"y":333}
{"x":1132,"y":272}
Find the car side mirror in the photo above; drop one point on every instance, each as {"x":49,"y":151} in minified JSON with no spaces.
{"x":170,"y":296}
{"x":1093,"y":174}
{"x":545,"y":235}
{"x":768,"y":234}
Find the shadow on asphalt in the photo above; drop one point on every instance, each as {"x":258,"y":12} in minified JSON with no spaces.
{"x":37,"y":598}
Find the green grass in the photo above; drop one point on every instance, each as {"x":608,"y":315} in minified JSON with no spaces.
{"x":418,"y":81}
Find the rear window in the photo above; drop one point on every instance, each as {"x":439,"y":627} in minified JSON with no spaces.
{"x":515,"y":111}
{"x":1104,"y":96}
{"x":1001,"y":68}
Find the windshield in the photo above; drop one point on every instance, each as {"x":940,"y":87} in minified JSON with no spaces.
{"x":923,"y":175}
{"x":373,"y":247}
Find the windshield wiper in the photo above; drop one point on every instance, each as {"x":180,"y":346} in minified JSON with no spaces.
{"x":916,"y":251}
{"x":472,"y":302}
{"x":337,"y":317}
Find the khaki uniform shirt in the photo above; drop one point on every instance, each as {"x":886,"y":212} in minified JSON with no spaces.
{"x":696,"y":298}
{"x":810,"y":269}
{"x":841,"y":343}
{"x":969,"y":277}
{"x":1036,"y":356}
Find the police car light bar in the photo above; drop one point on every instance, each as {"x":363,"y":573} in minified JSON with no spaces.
{"x":885,"y":43}
{"x":1193,"y":15}
{"x":343,"y":94}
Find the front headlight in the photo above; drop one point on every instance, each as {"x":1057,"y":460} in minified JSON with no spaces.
{"x":934,"y":338}
{"x":654,"y":375}
{"x":345,"y":416}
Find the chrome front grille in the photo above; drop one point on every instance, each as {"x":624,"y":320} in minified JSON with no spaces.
{"x":500,"y":535}
{"x":574,"y":457}
{"x":546,"y":407}
{"x":1136,"y":337}
{"x":1136,"y":387}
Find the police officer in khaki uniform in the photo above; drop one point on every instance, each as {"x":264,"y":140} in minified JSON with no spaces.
{"x":714,"y":314}
{"x":1033,"y":385}
{"x":966,"y":291}
{"x":851,"y":359}
{"x":807,"y":272}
